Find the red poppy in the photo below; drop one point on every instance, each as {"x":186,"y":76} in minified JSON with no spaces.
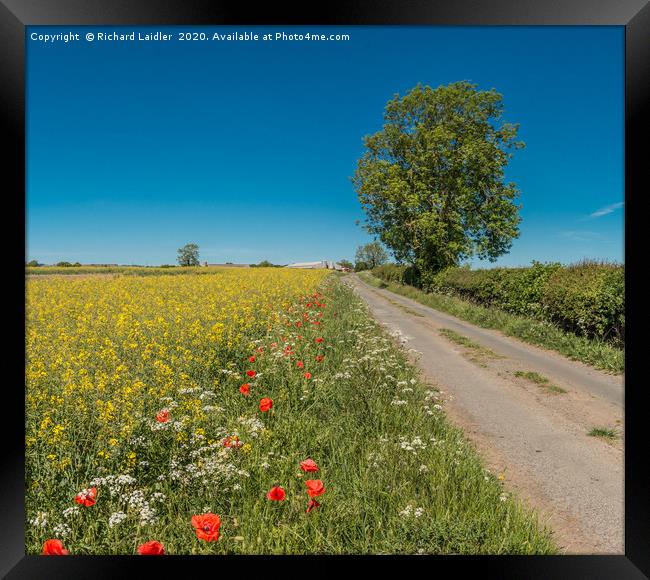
{"x":87,"y":497}
{"x":300,"y":364}
{"x":54,"y":548}
{"x":260,"y":349}
{"x":299,"y":337}
{"x":251,"y":373}
{"x":309,"y":304}
{"x":232,"y":441}
{"x":298,"y":324}
{"x":318,"y":340}
{"x":163,"y":416}
{"x":152,"y":548}
{"x":274,"y":344}
{"x":312,"y":504}
{"x":251,"y":358}
{"x":314,"y":487}
{"x":207,"y":526}
{"x":308,"y":465}
{"x":308,"y":375}
{"x":266,"y":404}
{"x":245,"y":389}
{"x":276,"y":494}
{"x":320,"y":358}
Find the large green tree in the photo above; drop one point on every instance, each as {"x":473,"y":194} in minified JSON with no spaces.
{"x":188,"y":255}
{"x":431,"y":182}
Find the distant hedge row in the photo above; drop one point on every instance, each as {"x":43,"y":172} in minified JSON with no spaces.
{"x":587,"y":298}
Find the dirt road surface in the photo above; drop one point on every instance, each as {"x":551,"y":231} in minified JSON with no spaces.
{"x":535,"y":434}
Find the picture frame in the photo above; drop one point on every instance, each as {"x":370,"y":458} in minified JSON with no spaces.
{"x":634,"y":15}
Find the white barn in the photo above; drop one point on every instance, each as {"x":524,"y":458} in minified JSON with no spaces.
{"x":316,"y":265}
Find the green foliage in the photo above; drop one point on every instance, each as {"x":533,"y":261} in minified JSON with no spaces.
{"x":432,"y":180}
{"x":516,"y":290}
{"x":587,"y":299}
{"x":67,"y":264}
{"x":604,"y":432}
{"x":361,"y":266}
{"x":371,"y":255}
{"x":390,"y":273}
{"x":33,"y":264}
{"x":188,"y":255}
{"x":265,"y":264}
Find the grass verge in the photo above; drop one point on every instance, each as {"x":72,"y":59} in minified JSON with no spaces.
{"x":592,"y":352}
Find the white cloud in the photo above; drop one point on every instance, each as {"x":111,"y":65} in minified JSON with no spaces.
{"x":607,"y":209}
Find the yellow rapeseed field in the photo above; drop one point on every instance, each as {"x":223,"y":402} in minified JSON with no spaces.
{"x":101,"y":354}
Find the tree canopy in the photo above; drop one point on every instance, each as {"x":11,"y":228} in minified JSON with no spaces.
{"x":188,"y":255}
{"x":369,"y":256}
{"x":431,"y":182}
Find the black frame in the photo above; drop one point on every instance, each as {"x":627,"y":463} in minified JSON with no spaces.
{"x":15,"y":15}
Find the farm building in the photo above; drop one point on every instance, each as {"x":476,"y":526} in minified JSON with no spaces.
{"x":316,"y":265}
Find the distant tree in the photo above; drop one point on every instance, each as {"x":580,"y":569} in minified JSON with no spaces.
{"x":432,"y":181}
{"x":371,"y":255}
{"x":33,"y":263}
{"x":346,"y":264}
{"x":64,"y":264}
{"x":188,"y":255}
{"x":265,"y":264}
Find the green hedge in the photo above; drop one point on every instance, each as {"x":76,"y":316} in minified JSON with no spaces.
{"x":587,"y":298}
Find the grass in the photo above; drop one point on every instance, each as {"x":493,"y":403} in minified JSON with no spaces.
{"x":479,"y":352}
{"x":399,"y":478}
{"x":540,"y":380}
{"x":464,"y":341}
{"x":598,"y":354}
{"x":603,"y":432}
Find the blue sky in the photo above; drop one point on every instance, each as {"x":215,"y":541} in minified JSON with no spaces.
{"x":247,"y":148}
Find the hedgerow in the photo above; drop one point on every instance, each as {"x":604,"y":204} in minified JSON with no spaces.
{"x":587,"y":298}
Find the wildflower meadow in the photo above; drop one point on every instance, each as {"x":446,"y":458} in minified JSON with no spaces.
{"x":242,"y":411}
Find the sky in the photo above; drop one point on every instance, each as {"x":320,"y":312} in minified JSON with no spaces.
{"x":246,"y":148}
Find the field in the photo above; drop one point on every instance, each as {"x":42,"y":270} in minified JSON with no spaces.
{"x":184,"y":409}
